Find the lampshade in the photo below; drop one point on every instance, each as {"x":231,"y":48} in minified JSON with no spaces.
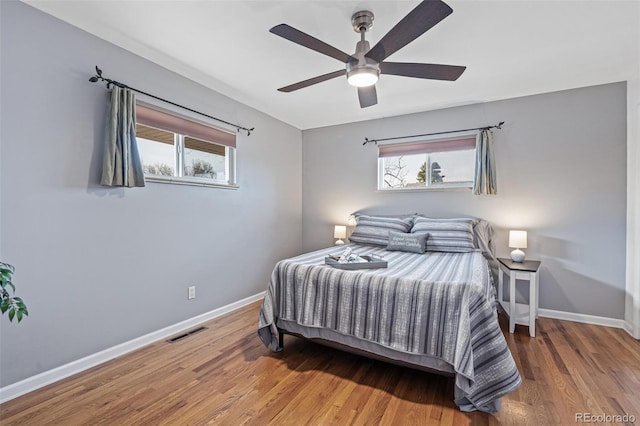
{"x":518,"y":239}
{"x":339,"y":232}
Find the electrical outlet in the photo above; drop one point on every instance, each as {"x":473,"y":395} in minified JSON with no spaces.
{"x":192,"y":292}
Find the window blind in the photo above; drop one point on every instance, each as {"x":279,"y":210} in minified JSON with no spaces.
{"x":425,"y":147}
{"x":172,"y":123}
{"x":153,"y":134}
{"x":163,"y":136}
{"x":203,"y":146}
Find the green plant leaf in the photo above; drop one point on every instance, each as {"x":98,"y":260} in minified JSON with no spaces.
{"x":7,"y":267}
{"x":14,"y":306}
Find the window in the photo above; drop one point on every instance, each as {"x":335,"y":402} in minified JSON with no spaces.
{"x":179,"y":150}
{"x":433,"y":164}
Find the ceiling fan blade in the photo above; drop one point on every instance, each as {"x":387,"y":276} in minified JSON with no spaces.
{"x":297,"y":36}
{"x":367,"y":96}
{"x":426,"y":15}
{"x":430,"y":71}
{"x":312,"y":81}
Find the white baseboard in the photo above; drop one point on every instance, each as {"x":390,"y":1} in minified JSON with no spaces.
{"x":587,"y":319}
{"x":45,"y":378}
{"x":632,"y":330}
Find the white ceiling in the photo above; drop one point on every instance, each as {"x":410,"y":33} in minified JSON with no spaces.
{"x":511,"y":48}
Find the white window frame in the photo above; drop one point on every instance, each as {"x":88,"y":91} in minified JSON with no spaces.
{"x":229,"y":163}
{"x":464,"y":186}
{"x":178,"y":143}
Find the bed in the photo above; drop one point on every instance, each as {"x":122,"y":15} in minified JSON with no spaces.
{"x":432,"y":310}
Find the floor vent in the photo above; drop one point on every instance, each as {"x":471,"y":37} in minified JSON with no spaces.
{"x":187,"y":334}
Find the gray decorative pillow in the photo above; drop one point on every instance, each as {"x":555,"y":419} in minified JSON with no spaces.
{"x":414,"y":243}
{"x":375,"y":229}
{"x":446,"y":235}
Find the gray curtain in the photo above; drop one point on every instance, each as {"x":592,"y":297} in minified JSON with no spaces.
{"x":485,"y":177}
{"x":121,"y":165}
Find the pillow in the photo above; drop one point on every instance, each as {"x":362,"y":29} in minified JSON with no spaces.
{"x":375,"y":229}
{"x":447,"y":235}
{"x":482,"y":236}
{"x":414,"y":243}
{"x":483,"y":239}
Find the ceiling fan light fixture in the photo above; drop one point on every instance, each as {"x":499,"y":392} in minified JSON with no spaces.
{"x":363,"y":77}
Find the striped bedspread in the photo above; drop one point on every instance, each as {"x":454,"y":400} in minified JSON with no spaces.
{"x":435,"y":304}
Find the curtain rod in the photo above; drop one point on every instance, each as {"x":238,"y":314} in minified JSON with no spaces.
{"x":496,"y":126}
{"x":99,"y":77}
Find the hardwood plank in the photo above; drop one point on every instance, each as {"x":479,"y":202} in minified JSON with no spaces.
{"x":224,"y":375}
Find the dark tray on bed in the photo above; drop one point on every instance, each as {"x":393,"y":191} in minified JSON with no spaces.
{"x":372,"y":263}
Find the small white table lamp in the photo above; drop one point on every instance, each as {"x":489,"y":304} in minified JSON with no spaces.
{"x":517,"y":240}
{"x":340,"y":232}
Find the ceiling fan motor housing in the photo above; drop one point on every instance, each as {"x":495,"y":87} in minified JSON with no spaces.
{"x":362,"y":64}
{"x":362,"y":61}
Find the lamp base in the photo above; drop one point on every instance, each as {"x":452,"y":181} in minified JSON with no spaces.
{"x":517,"y":256}
{"x":339,"y":242}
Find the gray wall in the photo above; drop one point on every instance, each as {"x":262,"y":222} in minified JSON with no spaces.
{"x":98,"y":266}
{"x":561,"y":165}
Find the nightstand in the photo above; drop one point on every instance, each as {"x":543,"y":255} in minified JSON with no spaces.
{"x":520,"y":313}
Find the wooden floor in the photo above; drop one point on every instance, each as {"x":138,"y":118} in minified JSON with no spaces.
{"x":224,"y":375}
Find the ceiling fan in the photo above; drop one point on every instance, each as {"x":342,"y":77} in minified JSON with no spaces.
{"x":364,"y":67}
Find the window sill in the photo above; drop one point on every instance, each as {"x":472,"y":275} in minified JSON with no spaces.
{"x":457,"y":187}
{"x":188,"y":181}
